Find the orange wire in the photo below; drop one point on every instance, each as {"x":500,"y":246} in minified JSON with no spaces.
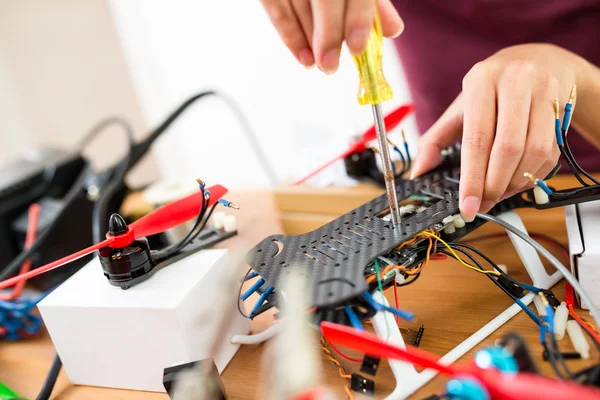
{"x":584,"y":324}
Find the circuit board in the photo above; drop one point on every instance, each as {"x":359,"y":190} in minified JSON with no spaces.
{"x":334,"y":257}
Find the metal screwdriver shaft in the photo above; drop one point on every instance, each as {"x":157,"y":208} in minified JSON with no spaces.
{"x":386,"y":161}
{"x":373,"y":90}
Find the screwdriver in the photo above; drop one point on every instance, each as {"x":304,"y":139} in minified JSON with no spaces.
{"x":374,"y":89}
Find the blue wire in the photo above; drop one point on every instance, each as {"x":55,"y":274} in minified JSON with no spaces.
{"x":17,"y":316}
{"x":354,"y":320}
{"x":407,"y":154}
{"x":530,"y":313}
{"x":263,"y":297}
{"x":531,"y":288}
{"x":397,"y":150}
{"x":379,"y":307}
{"x":252,"y":289}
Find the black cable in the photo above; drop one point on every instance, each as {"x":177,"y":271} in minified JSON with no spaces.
{"x":100,"y":210}
{"x":74,"y":192}
{"x":559,"y":356}
{"x":552,"y":361}
{"x":570,"y":163}
{"x":578,"y":167}
{"x":51,"y":378}
{"x":485,"y":257}
{"x":141,"y":148}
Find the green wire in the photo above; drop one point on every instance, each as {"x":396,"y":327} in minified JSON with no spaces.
{"x":7,"y":394}
{"x":381,"y":291}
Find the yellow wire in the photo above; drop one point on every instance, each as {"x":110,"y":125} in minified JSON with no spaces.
{"x":341,"y":369}
{"x":495,"y":273}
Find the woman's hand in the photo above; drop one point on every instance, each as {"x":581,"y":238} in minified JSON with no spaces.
{"x":314,"y":30}
{"x":506,"y":119}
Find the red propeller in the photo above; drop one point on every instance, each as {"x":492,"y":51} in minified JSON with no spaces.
{"x":522,"y":386}
{"x":391,"y":120}
{"x":160,"y":220}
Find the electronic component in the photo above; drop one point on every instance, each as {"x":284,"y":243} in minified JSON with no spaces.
{"x":370,"y":365}
{"x":560,"y":320}
{"x":580,"y":343}
{"x":360,"y":384}
{"x":419,"y":336}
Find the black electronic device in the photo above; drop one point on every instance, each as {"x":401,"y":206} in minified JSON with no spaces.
{"x":334,"y":257}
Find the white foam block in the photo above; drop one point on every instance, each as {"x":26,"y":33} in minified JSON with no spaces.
{"x":109,"y":337}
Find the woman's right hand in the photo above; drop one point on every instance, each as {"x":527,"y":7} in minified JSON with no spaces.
{"x":314,"y":30}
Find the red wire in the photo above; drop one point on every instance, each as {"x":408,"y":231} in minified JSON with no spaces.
{"x":342,"y":354}
{"x":32,"y":225}
{"x":570,"y":300}
{"x":396,"y":302}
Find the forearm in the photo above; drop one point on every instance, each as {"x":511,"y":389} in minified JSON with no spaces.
{"x":586,"y":115}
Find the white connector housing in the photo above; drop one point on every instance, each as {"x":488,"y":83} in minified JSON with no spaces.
{"x":218,"y":219}
{"x":561,"y":315}
{"x":539,"y":196}
{"x":109,"y":337}
{"x":448,"y":225}
{"x":458,"y":221}
{"x":578,"y":339}
{"x":230,"y":223}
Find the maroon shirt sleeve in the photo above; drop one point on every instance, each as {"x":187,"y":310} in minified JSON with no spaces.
{"x":444,"y":39}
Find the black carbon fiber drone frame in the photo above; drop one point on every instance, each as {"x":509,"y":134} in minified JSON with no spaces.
{"x":333,"y":257}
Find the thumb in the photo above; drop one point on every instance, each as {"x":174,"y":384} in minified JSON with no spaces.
{"x":446,"y":131}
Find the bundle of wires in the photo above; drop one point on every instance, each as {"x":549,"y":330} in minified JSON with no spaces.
{"x":561,"y":132}
{"x":405,"y":160}
{"x":18,"y":318}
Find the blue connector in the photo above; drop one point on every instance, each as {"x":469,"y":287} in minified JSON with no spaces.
{"x":543,"y":185}
{"x":261,"y":300}
{"x":251,"y":275}
{"x":252,"y":289}
{"x":567,"y":118}
{"x":379,"y":307}
{"x":229,"y":204}
{"x":354,"y":320}
{"x":543,"y":331}
{"x":559,"y":137}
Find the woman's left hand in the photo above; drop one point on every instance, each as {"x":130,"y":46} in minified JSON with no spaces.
{"x":506,"y":119}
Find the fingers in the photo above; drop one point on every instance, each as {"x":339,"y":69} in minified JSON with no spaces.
{"x":478,"y":136}
{"x":446,"y":131}
{"x":359,"y":21}
{"x":391,"y":23}
{"x":541,"y":152}
{"x":304,"y":13}
{"x":286,"y":23}
{"x":514,"y":101}
{"x":328,"y":17}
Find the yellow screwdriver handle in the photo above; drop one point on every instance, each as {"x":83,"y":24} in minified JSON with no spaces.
{"x":373,"y":88}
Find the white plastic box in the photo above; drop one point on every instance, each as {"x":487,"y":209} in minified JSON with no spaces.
{"x":109,"y":337}
{"x":583,"y":230}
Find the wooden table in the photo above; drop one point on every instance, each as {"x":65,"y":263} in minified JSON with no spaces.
{"x":449,"y":300}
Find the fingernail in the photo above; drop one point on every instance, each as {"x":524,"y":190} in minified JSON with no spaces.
{"x":486,"y":206}
{"x":306,"y":58}
{"x":470,"y":206}
{"x":357,"y":39}
{"x":399,"y":32}
{"x":330,"y":61}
